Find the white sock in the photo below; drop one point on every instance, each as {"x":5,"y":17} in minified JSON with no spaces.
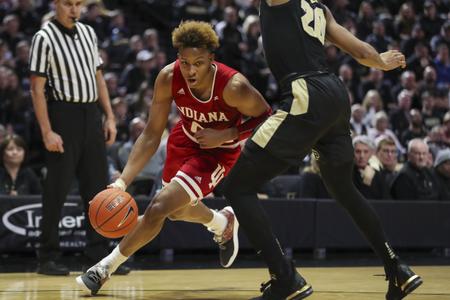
{"x":113,"y":260}
{"x":218,"y":223}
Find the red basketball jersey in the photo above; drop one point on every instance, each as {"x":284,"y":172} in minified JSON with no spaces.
{"x":213,"y":113}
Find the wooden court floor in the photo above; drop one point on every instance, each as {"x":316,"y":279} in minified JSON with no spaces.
{"x":231,"y":284}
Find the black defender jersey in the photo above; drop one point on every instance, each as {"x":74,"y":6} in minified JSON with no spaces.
{"x":293,"y":37}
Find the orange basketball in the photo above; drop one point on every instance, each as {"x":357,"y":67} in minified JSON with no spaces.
{"x":113,"y":213}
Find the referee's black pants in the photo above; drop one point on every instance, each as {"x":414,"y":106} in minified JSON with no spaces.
{"x":80,"y":127}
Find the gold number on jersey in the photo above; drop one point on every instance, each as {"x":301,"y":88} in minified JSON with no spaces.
{"x":195,"y":127}
{"x":314,"y":14}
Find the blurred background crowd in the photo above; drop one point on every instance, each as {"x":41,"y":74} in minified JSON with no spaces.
{"x":400,"y":119}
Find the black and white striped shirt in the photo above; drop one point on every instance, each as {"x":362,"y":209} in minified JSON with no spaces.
{"x":69,"y":59}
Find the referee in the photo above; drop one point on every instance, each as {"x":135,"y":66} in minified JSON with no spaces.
{"x":67,"y":87}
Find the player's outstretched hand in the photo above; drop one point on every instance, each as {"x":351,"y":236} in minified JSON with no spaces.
{"x":393,"y":59}
{"x":118,"y":184}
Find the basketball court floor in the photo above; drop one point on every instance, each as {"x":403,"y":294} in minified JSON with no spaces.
{"x":329,"y":283}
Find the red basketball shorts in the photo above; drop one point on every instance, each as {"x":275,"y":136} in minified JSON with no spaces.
{"x":197,"y":170}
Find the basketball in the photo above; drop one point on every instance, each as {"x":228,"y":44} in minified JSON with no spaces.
{"x":113,"y":213}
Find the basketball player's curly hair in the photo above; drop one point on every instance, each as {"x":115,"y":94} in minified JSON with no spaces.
{"x":195,"y":34}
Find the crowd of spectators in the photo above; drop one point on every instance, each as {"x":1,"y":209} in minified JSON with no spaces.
{"x":400,"y":119}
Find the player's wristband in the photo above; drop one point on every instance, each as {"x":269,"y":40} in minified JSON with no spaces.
{"x":246,"y":129}
{"x":120,"y":184}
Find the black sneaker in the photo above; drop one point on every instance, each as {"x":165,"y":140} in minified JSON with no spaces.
{"x":229,"y":240}
{"x":93,"y":279}
{"x":50,"y":267}
{"x":402,"y":281}
{"x":294,"y":288}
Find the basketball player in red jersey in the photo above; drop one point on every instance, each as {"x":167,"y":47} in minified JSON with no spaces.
{"x":201,"y":149}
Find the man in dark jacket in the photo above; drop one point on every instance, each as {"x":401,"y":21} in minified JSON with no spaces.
{"x":415,"y":180}
{"x":441,"y":171}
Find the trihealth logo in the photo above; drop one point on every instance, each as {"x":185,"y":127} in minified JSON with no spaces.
{"x":33,"y":216}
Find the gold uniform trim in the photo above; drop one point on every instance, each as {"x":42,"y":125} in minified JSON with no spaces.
{"x":265,"y":132}
{"x":300,"y":102}
{"x":298,"y":292}
{"x":403,"y":287}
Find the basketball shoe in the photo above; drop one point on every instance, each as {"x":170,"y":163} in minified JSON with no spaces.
{"x":402,"y":281}
{"x":228,"y":241}
{"x":292,"y":288}
{"x":93,"y":279}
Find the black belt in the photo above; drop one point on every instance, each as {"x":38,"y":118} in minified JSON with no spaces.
{"x":285,"y":82}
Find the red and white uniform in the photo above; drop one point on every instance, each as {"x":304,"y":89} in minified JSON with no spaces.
{"x":197,"y":170}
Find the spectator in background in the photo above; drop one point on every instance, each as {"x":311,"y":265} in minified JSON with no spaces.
{"x":231,"y":39}
{"x":407,"y":82}
{"x":195,"y":10}
{"x":446,"y":125}
{"x":421,"y":59}
{"x":311,"y":183}
{"x":134,"y":75}
{"x":122,"y":118}
{"x":152,"y":171}
{"x":117,"y":29}
{"x":366,"y":16}
{"x":150,"y":39}
{"x":442,"y":64}
{"x":6,"y":57}
{"x":251,"y":8}
{"x":112,"y":84}
{"x":380,"y":127}
{"x":252,"y":31}
{"x":428,"y":83}
{"x":356,"y":122}
{"x":441,"y":171}
{"x":367,"y":180}
{"x":350,"y":82}
{"x":340,"y":11}
{"x":431,"y":21}
{"x":386,"y":159}
{"x":417,"y":36}
{"x":10,"y":32}
{"x":139,"y":102}
{"x":333,"y":58}
{"x":375,"y":81}
{"x":2,"y":133}
{"x":442,"y":37}
{"x":399,"y":118}
{"x":136,"y":44}
{"x":404,"y":21}
{"x":378,"y":38}
{"x":415,"y":180}
{"x":15,"y":178}
{"x":430,"y":115}
{"x":436,"y":140}
{"x":94,"y":18}
{"x":28,"y":17}
{"x":21,"y":64}
{"x":372,"y":104}
{"x":415,"y":129}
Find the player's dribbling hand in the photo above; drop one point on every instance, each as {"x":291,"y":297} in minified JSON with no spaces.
{"x":53,"y":142}
{"x":118,"y":184}
{"x":209,"y":138}
{"x":393,"y":59}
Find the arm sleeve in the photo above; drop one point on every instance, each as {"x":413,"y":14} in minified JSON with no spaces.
{"x":39,"y":56}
